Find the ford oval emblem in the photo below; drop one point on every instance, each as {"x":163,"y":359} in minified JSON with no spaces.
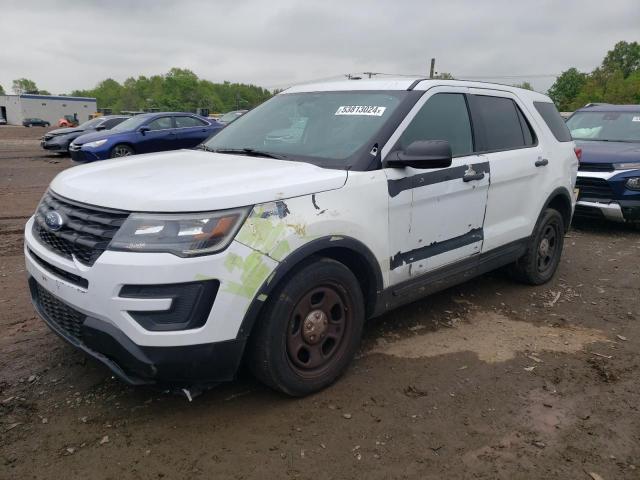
{"x":54,"y":221}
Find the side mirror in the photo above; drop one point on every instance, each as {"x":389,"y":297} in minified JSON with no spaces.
{"x":100,"y":127}
{"x":143,"y":129}
{"x":421,"y":154}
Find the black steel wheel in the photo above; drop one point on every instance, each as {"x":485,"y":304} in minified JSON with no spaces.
{"x":310,"y":329}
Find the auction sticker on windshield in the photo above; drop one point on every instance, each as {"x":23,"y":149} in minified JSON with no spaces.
{"x":369,"y":110}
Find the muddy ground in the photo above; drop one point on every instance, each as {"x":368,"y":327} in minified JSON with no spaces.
{"x":490,"y":379}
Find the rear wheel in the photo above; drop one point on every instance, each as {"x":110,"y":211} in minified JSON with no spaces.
{"x":121,"y":150}
{"x":310,"y":329}
{"x":540,"y":262}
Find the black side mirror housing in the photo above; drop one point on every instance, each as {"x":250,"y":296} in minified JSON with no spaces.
{"x":100,"y":127}
{"x":421,"y":154}
{"x":143,"y":129}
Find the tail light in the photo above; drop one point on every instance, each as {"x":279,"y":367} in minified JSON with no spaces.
{"x":578,"y":152}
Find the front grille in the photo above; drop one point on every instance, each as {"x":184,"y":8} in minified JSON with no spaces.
{"x":595,"y":167}
{"x":60,"y":313}
{"x":588,"y":213}
{"x":86,"y":230}
{"x":68,"y":276}
{"x":74,"y":148}
{"x":595,"y":189}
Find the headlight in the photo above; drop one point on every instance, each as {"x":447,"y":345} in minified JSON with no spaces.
{"x":185,"y":235}
{"x":633,"y":183}
{"x":95,"y":144}
{"x":626,"y":166}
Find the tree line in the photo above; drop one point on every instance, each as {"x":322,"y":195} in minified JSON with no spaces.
{"x":616,"y":80}
{"x":178,"y":90}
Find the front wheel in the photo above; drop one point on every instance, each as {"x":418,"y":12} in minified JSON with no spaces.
{"x":121,"y":150}
{"x":540,"y":262}
{"x":310,"y":329}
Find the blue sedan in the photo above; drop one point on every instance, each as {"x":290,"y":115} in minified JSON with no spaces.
{"x":150,"y":132}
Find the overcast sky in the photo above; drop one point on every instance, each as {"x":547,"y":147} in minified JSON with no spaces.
{"x":64,"y":45}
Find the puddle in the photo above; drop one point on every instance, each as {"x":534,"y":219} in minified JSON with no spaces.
{"x":494,"y":338}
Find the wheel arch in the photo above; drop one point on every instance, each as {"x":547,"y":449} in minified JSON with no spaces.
{"x":560,"y":200}
{"x":349,"y":251}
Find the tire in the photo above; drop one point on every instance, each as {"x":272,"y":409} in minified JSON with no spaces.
{"x":540,"y":262}
{"x":310,"y":329}
{"x":121,"y":150}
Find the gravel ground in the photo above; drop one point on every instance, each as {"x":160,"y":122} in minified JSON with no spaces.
{"x":489,"y":379}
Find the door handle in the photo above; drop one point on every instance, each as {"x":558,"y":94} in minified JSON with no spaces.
{"x":542,"y":162}
{"x":473,"y":176}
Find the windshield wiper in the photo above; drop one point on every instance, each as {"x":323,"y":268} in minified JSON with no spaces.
{"x":250,"y":152}
{"x":202,"y":146}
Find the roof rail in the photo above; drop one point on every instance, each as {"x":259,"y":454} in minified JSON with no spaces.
{"x":596,"y":104}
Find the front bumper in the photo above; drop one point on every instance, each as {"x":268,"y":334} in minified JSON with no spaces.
{"x":55,"y":147}
{"x":108,"y":331}
{"x":84,"y":155}
{"x":138,"y":365}
{"x":604,"y":195}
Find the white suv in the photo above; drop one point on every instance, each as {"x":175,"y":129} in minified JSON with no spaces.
{"x":274,"y":241}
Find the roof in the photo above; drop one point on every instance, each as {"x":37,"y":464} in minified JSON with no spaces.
{"x":408,"y":83}
{"x":55,"y":97}
{"x":608,"y":107}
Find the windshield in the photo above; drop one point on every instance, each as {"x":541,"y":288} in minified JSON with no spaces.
{"x":130,"y":124}
{"x":327,"y":127}
{"x":229,"y":117}
{"x":607,"y":126}
{"x":90,"y":123}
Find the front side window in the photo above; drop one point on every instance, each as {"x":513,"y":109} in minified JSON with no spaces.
{"x":605,"y":126}
{"x":326,"y":128}
{"x":501,"y":123}
{"x":186,"y":122}
{"x":161,"y":123}
{"x":443,"y":117}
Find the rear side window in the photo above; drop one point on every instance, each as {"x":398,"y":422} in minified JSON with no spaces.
{"x":162,"y":123}
{"x":554,"y":121}
{"x":184,"y":122}
{"x":109,"y":124}
{"x":443,"y":117}
{"x":504,"y":125}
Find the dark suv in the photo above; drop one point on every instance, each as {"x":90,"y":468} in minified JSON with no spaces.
{"x":58,"y":140}
{"x":609,"y":172}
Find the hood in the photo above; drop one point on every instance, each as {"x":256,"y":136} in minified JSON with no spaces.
{"x":192,"y":181}
{"x":64,"y":131}
{"x":609,"y":152}
{"x":93,"y":136}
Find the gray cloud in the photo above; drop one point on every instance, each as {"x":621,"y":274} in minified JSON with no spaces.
{"x":66,"y":45}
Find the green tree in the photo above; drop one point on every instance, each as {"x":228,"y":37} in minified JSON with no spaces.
{"x":566,"y":88}
{"x":44,"y":92}
{"x":624,"y":57}
{"x":24,"y":85}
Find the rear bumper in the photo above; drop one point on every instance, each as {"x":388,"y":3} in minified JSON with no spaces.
{"x":140,"y":365}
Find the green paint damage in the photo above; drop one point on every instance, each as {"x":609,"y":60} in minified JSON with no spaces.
{"x":253,"y":273}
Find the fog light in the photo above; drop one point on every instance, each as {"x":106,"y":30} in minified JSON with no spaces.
{"x":633,"y":183}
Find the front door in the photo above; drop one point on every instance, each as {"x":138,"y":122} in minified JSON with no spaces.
{"x":436,"y":215}
{"x":160,"y":136}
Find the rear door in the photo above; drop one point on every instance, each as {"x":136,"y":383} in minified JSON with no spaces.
{"x":160,"y":136}
{"x":190,"y":131}
{"x":518,"y":165}
{"x":436,"y":215}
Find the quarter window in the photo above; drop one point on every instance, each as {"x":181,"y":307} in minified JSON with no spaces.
{"x":184,"y":122}
{"x":554,"y":121}
{"x":502,"y":124}
{"x":161,"y":123}
{"x":443,"y":117}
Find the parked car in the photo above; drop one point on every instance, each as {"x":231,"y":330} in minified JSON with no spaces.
{"x":231,"y":116}
{"x":58,"y":140}
{"x":35,"y":122}
{"x":150,"y":132}
{"x":173,"y":268}
{"x":609,"y":172}
{"x":3,"y":121}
